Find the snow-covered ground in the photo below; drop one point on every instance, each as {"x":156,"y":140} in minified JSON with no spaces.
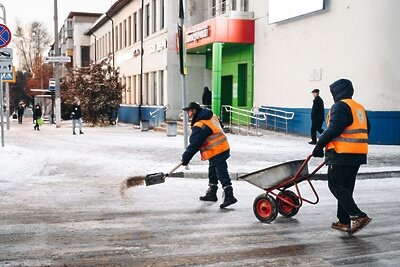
{"x":122,"y":151}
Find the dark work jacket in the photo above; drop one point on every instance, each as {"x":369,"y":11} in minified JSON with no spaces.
{"x":20,"y":110}
{"x":37,"y":113}
{"x":340,"y":118}
{"x":76,"y":112}
{"x":317,"y":110}
{"x":199,"y":136}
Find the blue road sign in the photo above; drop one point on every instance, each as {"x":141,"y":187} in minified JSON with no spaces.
{"x":52,"y":84}
{"x":5,"y":35}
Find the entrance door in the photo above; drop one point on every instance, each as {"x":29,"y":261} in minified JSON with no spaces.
{"x":226,"y":94}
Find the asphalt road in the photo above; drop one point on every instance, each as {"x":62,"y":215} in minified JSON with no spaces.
{"x":55,"y":221}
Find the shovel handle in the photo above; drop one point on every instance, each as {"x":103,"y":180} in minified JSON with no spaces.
{"x":174,"y":169}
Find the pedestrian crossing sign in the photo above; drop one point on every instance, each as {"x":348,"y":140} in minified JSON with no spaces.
{"x":9,"y":77}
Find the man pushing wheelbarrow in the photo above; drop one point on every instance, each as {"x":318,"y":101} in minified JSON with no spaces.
{"x":346,"y":147}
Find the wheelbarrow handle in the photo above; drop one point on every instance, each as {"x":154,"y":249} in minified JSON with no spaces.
{"x":174,"y":169}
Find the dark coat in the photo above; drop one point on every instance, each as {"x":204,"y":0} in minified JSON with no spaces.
{"x":37,"y":113}
{"x":317,"y":110}
{"x":76,"y":113}
{"x":206,"y":98}
{"x":20,"y":110}
{"x":340,"y":118}
{"x":199,"y":136}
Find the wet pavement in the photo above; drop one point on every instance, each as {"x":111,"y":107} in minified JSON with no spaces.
{"x":60,"y":205}
{"x":86,"y":223}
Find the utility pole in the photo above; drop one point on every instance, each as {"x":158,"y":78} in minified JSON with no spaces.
{"x":56,"y":69}
{"x":182,"y":63}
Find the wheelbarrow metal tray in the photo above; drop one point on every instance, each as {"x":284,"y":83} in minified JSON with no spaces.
{"x":275,"y":175}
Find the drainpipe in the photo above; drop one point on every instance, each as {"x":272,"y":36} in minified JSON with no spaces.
{"x":141,"y":63}
{"x":95,"y":47}
{"x":112,"y":37}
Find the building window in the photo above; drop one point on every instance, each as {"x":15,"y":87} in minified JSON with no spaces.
{"x":140,"y":25}
{"x":120,"y":36}
{"x":213,"y":8}
{"x":161,"y":86}
{"x":129,"y":30}
{"x":154,"y":88}
{"x":85,"y":55}
{"x":242,"y":85}
{"x":147,"y":24}
{"x":223,"y":6}
{"x":162,"y":14}
{"x":244,"y":5}
{"x":135,"y":27}
{"x":125,"y":34}
{"x":116,"y":38}
{"x":234,"y":4}
{"x":109,"y":43}
{"x":154,"y":16}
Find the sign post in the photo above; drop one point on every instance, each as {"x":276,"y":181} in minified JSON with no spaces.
{"x":5,"y":67}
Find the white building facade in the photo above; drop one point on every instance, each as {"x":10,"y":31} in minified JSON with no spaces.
{"x":355,"y":39}
{"x":149,"y":69}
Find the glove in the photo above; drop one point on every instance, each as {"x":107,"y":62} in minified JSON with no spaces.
{"x":318,"y":151}
{"x":185,"y":162}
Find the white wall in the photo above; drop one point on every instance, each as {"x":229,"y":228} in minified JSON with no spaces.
{"x":356,"y":39}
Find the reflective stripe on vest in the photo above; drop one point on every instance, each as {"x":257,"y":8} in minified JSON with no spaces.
{"x":216,"y":143}
{"x":354,"y":139}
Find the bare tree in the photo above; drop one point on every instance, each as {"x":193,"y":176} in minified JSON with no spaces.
{"x":31,"y":41}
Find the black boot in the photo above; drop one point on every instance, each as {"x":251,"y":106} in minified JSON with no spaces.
{"x":73,"y":133}
{"x":80,"y":132}
{"x":229,"y":199}
{"x":211,"y":194}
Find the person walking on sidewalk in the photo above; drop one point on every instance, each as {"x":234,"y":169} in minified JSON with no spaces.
{"x":76,"y":116}
{"x":37,"y":114}
{"x":346,"y":148}
{"x":317,"y":116}
{"x":20,"y":112}
{"x":206,"y":97}
{"x":208,"y":137}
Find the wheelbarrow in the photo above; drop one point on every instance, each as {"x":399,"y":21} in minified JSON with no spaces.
{"x":275,"y":181}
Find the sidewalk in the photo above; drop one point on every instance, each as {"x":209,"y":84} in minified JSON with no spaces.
{"x":123,"y":150}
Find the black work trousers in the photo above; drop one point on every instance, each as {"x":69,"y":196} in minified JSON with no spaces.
{"x":218,"y":170}
{"x":316,"y":126}
{"x":341,"y":182}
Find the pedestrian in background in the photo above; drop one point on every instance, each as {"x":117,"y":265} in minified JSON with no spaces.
{"x":346,"y":148}
{"x":206,"y":98}
{"x":20,"y":112}
{"x":317,"y":116}
{"x":208,"y":137}
{"x":37,"y":115}
{"x":76,"y":116}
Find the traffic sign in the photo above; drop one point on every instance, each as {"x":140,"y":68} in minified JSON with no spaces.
{"x":5,"y":35}
{"x":58,"y":59}
{"x":6,"y":67}
{"x":9,"y":77}
{"x":6,"y":54}
{"x":52,"y":84}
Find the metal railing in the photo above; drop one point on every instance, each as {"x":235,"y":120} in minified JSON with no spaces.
{"x":256,"y":118}
{"x":155,"y":114}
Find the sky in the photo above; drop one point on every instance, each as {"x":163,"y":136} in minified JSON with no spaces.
{"x":43,"y":10}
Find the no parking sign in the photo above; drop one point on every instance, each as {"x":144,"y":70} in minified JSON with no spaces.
{"x":5,"y":35}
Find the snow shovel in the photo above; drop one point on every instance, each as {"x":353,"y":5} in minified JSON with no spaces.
{"x":159,"y":177}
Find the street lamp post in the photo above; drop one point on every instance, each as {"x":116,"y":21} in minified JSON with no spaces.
{"x":56,"y":69}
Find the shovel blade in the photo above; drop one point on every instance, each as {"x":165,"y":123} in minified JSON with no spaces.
{"x":154,"y":178}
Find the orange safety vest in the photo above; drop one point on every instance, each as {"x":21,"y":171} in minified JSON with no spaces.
{"x":217,"y":142}
{"x":354,"y":138}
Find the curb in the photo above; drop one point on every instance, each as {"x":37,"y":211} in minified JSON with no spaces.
{"x":321,"y":176}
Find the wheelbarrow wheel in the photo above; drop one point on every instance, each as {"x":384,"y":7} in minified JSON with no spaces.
{"x":265,"y":209}
{"x":284,"y":208}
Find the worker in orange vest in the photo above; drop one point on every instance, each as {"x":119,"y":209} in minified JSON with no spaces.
{"x":346,"y":148}
{"x":208,"y":137}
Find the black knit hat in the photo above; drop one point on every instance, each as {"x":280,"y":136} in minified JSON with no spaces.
{"x":192,"y":105}
{"x":315,"y":91}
